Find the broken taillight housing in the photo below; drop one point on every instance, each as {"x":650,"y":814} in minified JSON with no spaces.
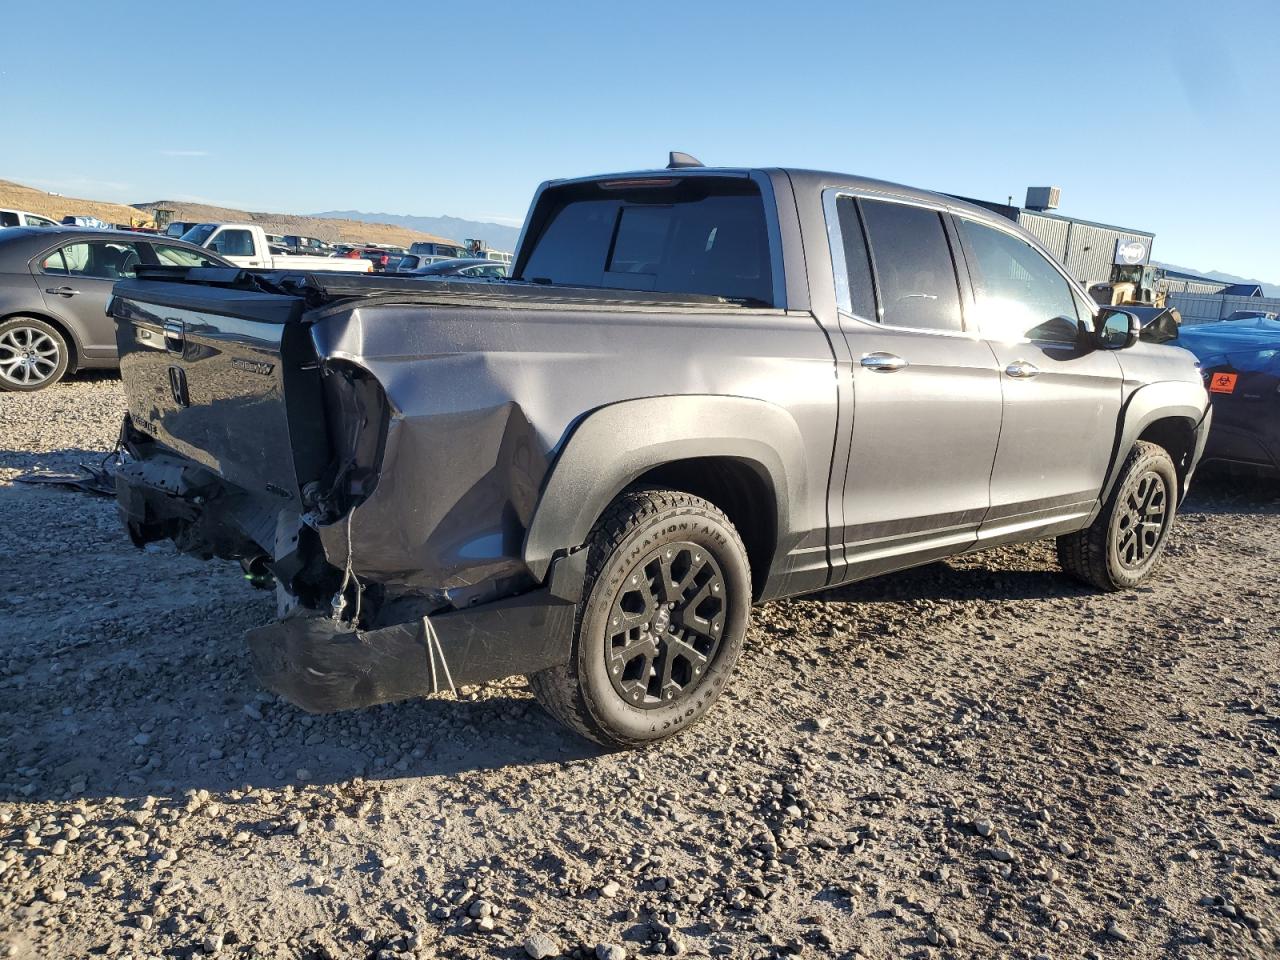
{"x":356,"y":417}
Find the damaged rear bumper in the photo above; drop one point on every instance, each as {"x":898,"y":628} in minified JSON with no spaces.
{"x":323,"y":665}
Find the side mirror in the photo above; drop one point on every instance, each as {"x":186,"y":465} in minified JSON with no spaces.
{"x":1163,"y":328}
{"x":1117,"y":329}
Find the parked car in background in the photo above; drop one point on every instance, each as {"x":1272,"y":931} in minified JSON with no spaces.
{"x":1240,"y":361}
{"x":438,"y":248}
{"x":245,"y":245}
{"x":92,"y":223}
{"x":177,"y":228}
{"x":20,"y":218}
{"x":306,"y":245}
{"x":703,"y":388}
{"x":1250,"y":315}
{"x":382,"y":258}
{"x":475,"y":267}
{"x":410,"y":262}
{"x":54,"y":286}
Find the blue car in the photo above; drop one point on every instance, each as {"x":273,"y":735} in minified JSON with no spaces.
{"x":1240,"y":359}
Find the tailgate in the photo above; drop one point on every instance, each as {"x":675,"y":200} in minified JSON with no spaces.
{"x":226,"y":378}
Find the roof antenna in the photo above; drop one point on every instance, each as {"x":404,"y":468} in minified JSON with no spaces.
{"x":677,"y":160}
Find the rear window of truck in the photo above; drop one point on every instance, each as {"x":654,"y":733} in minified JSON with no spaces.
{"x":199,"y":233}
{"x":702,"y":238}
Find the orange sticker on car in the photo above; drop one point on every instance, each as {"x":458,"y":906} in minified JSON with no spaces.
{"x":1222,"y":383}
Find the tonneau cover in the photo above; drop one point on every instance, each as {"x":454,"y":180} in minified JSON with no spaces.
{"x":318,"y":288}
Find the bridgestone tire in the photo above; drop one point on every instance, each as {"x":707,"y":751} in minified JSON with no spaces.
{"x":1097,"y":554}
{"x":47,"y":347}
{"x":635,"y":532}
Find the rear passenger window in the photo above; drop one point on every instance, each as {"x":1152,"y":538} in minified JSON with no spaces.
{"x":915,"y":275}
{"x":53,"y":263}
{"x":101,"y":260}
{"x":855,"y":291}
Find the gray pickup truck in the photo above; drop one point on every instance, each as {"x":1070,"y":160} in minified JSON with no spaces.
{"x":701,"y":389}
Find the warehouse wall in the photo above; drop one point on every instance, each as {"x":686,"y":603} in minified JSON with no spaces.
{"x":1203,"y":308}
{"x":1085,"y":249}
{"x":1050,"y":231}
{"x":1180,"y":285}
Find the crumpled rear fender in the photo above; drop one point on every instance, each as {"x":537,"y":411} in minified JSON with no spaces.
{"x":510,"y":432}
{"x":460,"y":469}
{"x":614,"y":445}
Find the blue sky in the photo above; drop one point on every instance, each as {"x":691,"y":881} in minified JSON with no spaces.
{"x":437,"y":108}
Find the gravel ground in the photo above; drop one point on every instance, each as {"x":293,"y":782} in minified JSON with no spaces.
{"x":975,"y":758}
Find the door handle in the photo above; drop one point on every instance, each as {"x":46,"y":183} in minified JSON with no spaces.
{"x":1022,"y":370}
{"x":62,"y":291}
{"x":175,"y":336}
{"x":883,"y":362}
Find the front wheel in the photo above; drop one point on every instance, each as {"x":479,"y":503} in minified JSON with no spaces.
{"x":1122,"y":545}
{"x":666,"y":604}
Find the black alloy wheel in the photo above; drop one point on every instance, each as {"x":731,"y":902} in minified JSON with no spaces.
{"x":665,"y":625}
{"x":1141,"y":520}
{"x":659,"y":630}
{"x":1123,"y":544}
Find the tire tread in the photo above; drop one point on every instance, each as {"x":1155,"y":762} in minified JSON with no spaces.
{"x":1083,"y":554}
{"x":558,"y":688}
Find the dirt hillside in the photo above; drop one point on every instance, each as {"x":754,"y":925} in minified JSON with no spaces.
{"x":356,"y":231}
{"x":16,"y":196}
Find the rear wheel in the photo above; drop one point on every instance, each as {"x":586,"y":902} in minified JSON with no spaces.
{"x":660,"y":629}
{"x":33,"y":354}
{"x":1123,"y":544}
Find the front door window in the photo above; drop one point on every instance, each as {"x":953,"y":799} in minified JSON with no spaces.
{"x":1018,"y":294}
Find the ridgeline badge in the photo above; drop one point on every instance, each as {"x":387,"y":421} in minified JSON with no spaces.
{"x":260,"y":367}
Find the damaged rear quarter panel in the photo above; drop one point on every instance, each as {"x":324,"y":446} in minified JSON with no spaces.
{"x":482,"y":397}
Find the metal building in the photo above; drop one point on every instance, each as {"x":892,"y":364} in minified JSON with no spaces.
{"x":1085,"y":248}
{"x":1206,"y":307}
{"x":1175,"y":281}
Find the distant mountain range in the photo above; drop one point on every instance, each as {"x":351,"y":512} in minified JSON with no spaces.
{"x":1268,"y":289}
{"x":495,"y":235}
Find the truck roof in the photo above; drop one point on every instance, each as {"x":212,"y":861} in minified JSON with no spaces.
{"x":802,"y":179}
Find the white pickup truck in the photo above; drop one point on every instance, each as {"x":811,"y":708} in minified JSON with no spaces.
{"x":245,"y":245}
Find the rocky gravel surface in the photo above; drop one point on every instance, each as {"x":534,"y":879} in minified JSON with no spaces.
{"x":977,"y":758}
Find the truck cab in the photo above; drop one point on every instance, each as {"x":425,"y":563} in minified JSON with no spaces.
{"x":20,"y":218}
{"x":246,"y":245}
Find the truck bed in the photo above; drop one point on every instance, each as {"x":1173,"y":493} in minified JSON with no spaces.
{"x":220,"y":366}
{"x":319,"y":289}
